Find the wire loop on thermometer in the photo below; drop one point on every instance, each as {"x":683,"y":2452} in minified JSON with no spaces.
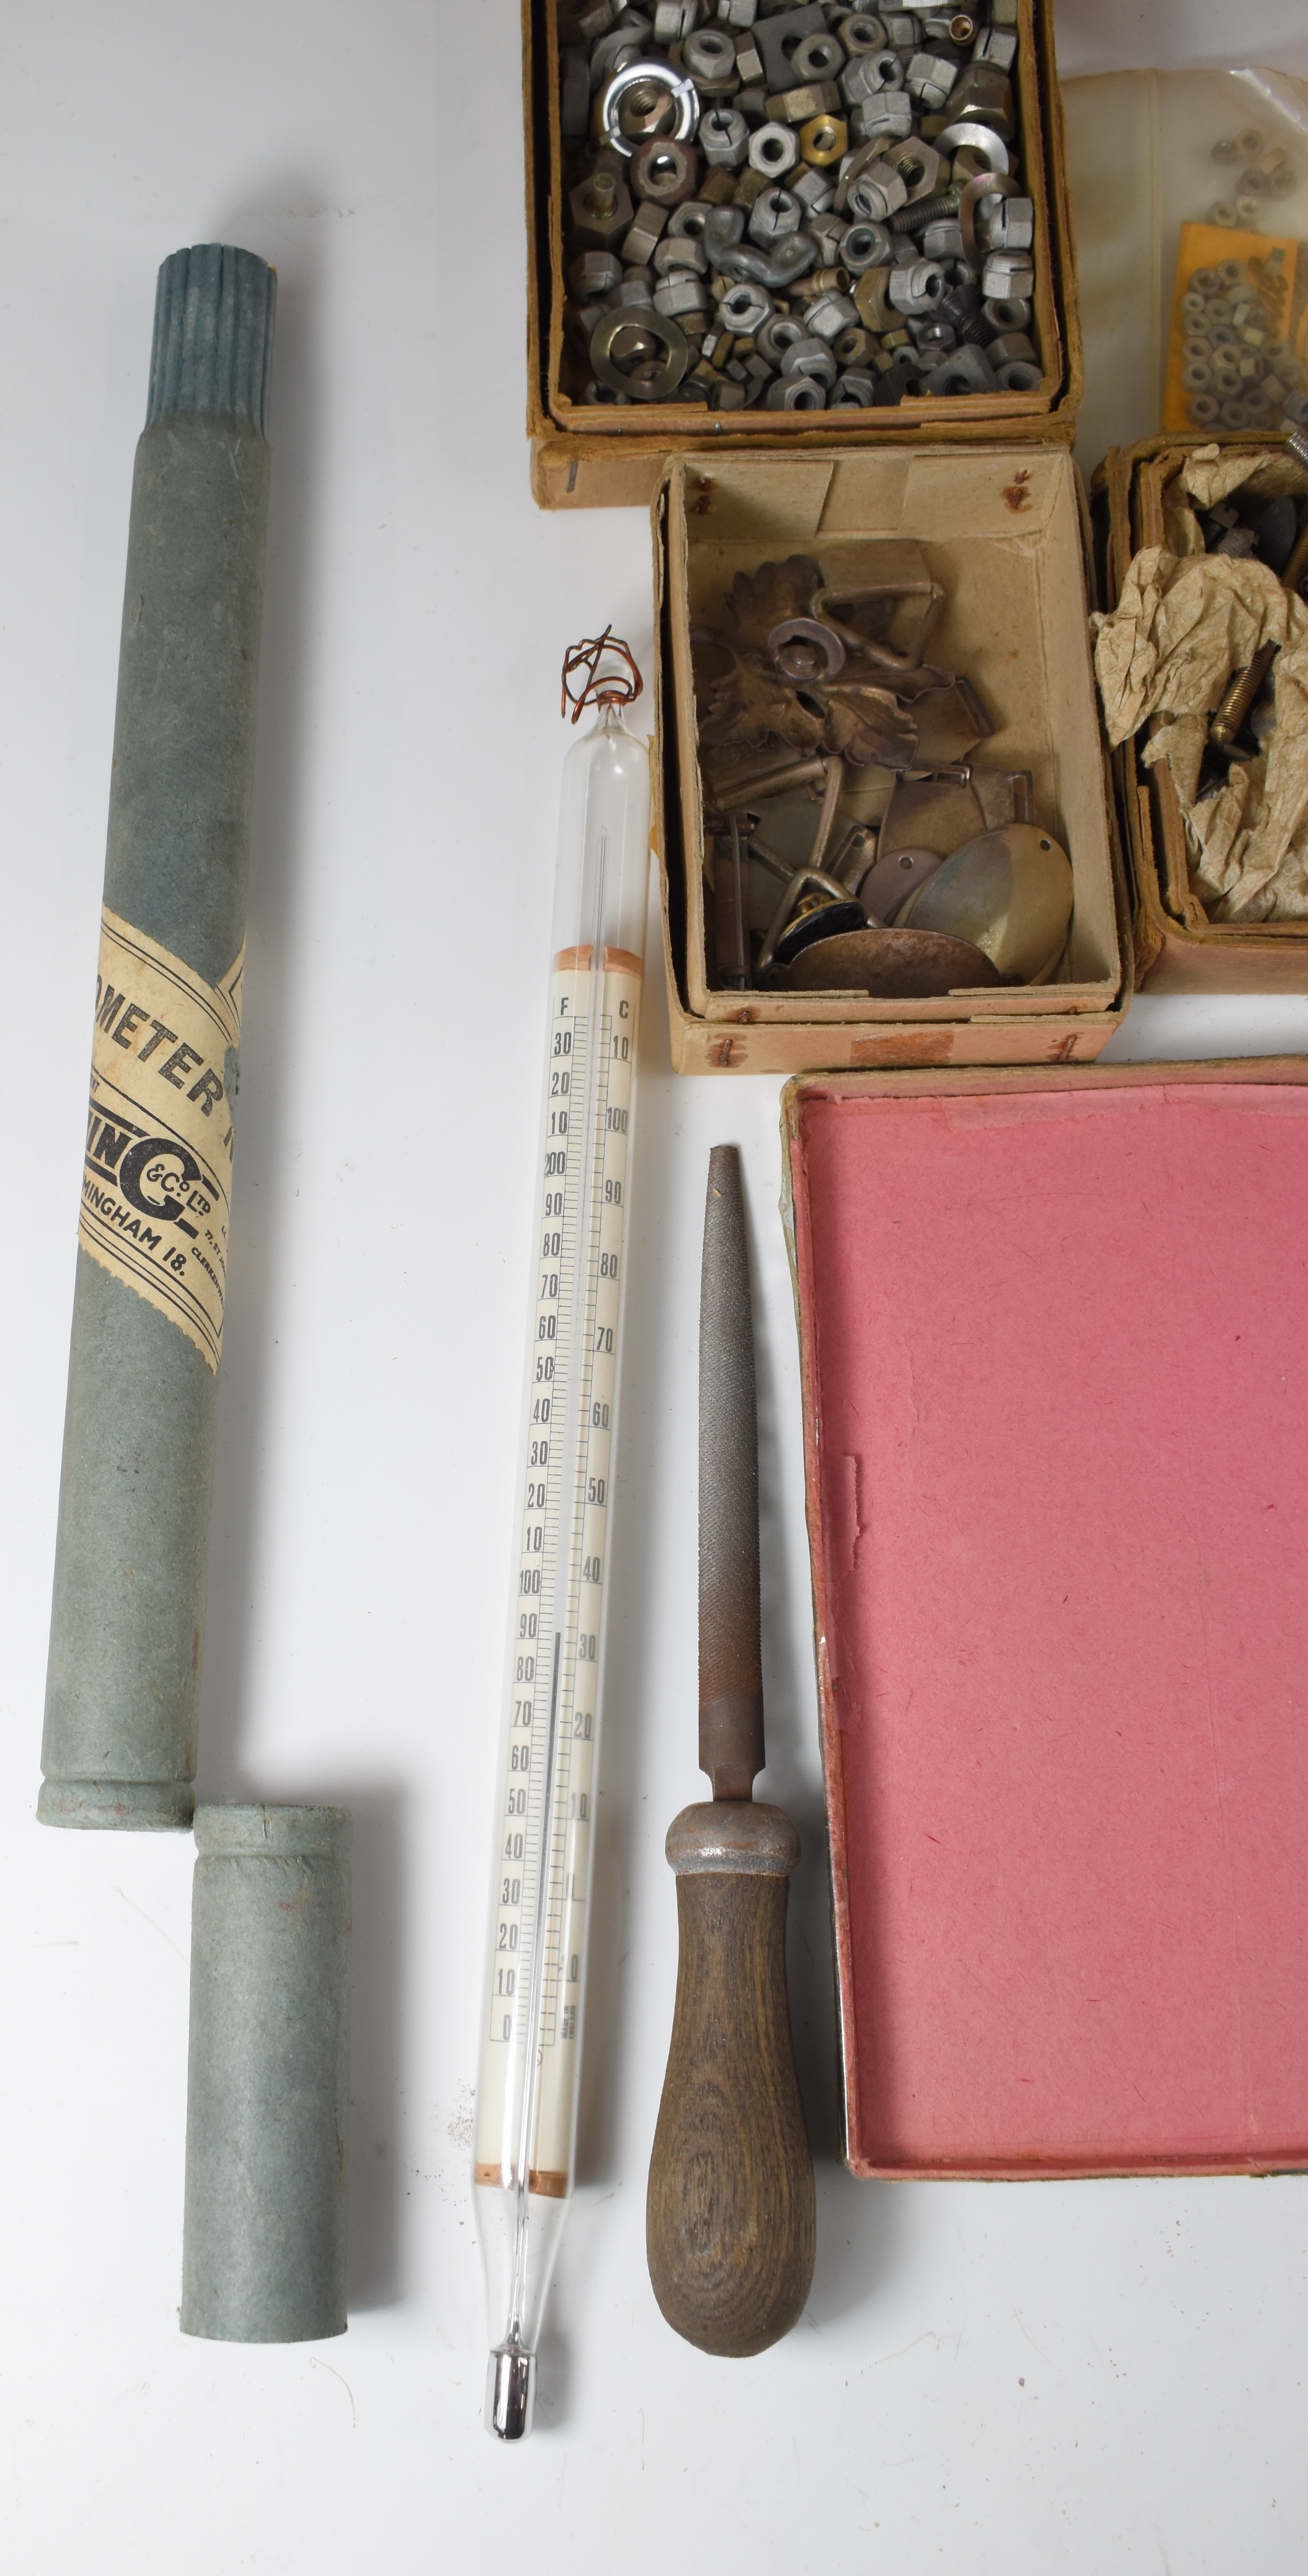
{"x":540,"y":1897}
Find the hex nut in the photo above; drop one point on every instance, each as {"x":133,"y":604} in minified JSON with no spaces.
{"x":931,"y":77}
{"x":675,"y":252}
{"x":852,"y":391}
{"x":872,"y":299}
{"x":574,"y":92}
{"x":796,"y":106}
{"x":1007,"y":312}
{"x":665,"y":171}
{"x":998,"y":45}
{"x":830,"y":315}
{"x":902,"y":29}
{"x":828,"y":230}
{"x":809,"y":357}
{"x":674,"y":20}
{"x":745,"y":308}
{"x":877,"y":192}
{"x":774,"y":149}
{"x":853,"y":346}
{"x":723,"y":137}
{"x":779,"y":333}
{"x":796,"y":393}
{"x":773,"y":215}
{"x":594,"y":272}
{"x":608,"y":57}
{"x":1011,"y":224}
{"x":983,"y":91}
{"x":868,"y":75}
{"x":919,"y":167}
{"x":877,"y":119}
{"x":710,"y":58}
{"x":917,"y":289}
{"x":637,"y":288}
{"x":818,"y":58}
{"x":1008,"y":272}
{"x":579,"y":321}
{"x":644,"y":379}
{"x":602,"y":211}
{"x":823,"y":140}
{"x":749,"y":61}
{"x":815,"y":189}
{"x":934,"y":339}
{"x":964,"y":371}
{"x":680,"y":294}
{"x":737,"y":13}
{"x":1018,"y":376}
{"x":689,"y":220}
{"x":861,"y":33}
{"x":638,"y":248}
{"x":1009,"y":348}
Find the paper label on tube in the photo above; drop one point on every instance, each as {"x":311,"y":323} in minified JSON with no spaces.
{"x":157,"y":1183}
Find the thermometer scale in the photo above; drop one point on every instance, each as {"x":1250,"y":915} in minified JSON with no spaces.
{"x":545,"y":1812}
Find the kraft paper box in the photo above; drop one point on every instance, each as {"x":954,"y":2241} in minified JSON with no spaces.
{"x":589,"y":455}
{"x":1177,"y":949}
{"x":1002,"y":530}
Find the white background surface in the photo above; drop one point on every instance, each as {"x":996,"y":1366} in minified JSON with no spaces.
{"x":1055,"y":2377}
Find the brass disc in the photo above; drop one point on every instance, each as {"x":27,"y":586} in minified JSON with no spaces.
{"x":891,"y":965}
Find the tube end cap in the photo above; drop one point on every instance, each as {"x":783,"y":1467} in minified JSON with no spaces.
{"x":213,"y":332}
{"x":118,"y":1806}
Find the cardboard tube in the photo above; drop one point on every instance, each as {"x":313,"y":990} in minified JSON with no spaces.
{"x":131,"y":1565}
{"x":263,"y":2257}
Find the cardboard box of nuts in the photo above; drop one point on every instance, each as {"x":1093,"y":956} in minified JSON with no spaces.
{"x":990,"y":542}
{"x":815,"y":162}
{"x":1179,"y":947}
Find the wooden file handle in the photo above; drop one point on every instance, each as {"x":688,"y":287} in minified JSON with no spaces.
{"x":730,"y":2221}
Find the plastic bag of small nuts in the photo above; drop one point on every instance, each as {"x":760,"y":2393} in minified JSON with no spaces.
{"x":1238,"y":353}
{"x":800,"y":208}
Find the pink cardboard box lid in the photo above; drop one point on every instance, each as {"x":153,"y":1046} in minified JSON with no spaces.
{"x":1054,"y":1333}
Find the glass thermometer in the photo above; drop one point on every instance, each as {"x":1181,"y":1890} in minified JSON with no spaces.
{"x":549,"y":1742}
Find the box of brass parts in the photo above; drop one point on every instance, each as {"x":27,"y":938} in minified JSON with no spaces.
{"x":885,"y":821}
{"x":780,"y":224}
{"x":1058,"y":1601}
{"x":1203,"y":667}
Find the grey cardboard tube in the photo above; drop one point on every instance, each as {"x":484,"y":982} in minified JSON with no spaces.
{"x":131,"y":1564}
{"x":263,"y":2253}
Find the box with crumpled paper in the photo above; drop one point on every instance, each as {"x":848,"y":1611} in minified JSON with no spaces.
{"x":1219,"y":846}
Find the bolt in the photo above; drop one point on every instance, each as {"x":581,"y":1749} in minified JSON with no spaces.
{"x":926,"y":210}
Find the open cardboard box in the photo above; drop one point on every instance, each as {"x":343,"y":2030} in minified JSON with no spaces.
{"x":1177,"y":949}
{"x":1055,"y":1412}
{"x":1002,"y":530}
{"x":588,"y":455}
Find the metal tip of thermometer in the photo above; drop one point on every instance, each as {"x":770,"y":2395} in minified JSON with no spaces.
{"x":510,"y":2393}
